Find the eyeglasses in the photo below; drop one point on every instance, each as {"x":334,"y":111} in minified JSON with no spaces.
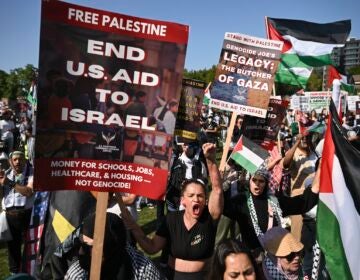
{"x":292,"y":256}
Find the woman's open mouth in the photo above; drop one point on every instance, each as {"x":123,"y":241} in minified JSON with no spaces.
{"x":196,"y":209}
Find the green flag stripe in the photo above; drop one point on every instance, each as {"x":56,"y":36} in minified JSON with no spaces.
{"x":292,"y":60}
{"x":331,"y":243}
{"x":244,"y":162}
{"x":316,"y":61}
{"x":287,"y":77}
{"x":347,"y":87}
{"x":292,"y":71}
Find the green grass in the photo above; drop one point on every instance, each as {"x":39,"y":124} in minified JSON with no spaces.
{"x":4,"y":270}
{"x":146,"y":219}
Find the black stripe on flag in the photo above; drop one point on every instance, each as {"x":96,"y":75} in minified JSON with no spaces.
{"x":255,"y":148}
{"x":349,"y":157}
{"x":327,"y":33}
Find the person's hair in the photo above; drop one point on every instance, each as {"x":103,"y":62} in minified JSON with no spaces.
{"x":187,"y":182}
{"x":224,"y":249}
{"x":173,"y":103}
{"x":116,"y":262}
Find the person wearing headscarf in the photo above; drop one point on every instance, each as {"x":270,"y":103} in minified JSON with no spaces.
{"x":257,"y":211}
{"x":283,"y":255}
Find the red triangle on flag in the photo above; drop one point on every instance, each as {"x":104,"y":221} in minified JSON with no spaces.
{"x":332,"y":75}
{"x":238,"y":146}
{"x":273,"y":34}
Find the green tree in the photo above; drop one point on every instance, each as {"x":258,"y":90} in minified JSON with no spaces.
{"x":314,"y":83}
{"x":206,"y":75}
{"x":284,"y":89}
{"x":354,"y":70}
{"x":3,"y":83}
{"x":17,"y":82}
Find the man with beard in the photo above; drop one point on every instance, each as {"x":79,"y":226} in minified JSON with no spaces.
{"x":17,"y":190}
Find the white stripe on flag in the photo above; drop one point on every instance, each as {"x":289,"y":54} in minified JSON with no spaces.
{"x":309,"y":48}
{"x":250,"y":155}
{"x":301,"y":71}
{"x":341,"y":204}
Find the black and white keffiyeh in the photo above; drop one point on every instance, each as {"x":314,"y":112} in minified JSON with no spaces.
{"x":276,"y":210}
{"x":143,"y":268}
{"x":274,"y":271}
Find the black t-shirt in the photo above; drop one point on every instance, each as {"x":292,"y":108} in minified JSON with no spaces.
{"x":194,"y":244}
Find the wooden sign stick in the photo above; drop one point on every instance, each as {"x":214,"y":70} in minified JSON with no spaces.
{"x":227,"y":142}
{"x":99,"y":230}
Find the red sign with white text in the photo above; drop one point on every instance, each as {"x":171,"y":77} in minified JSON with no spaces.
{"x":102,"y":78}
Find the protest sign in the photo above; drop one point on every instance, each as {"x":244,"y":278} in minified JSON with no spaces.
{"x":312,"y":100}
{"x":318,"y":100}
{"x":351,"y":102}
{"x":188,"y":117}
{"x":263,"y":131}
{"x":245,"y":74}
{"x":300,"y":103}
{"x":102,"y":76}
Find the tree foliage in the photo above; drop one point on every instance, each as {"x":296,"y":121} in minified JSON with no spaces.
{"x":15,"y":83}
{"x":284,"y":89}
{"x":354,"y":70}
{"x":314,"y":83}
{"x":206,"y":75}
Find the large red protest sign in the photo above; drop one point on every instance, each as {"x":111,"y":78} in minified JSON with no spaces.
{"x":245,"y":74}
{"x":102,"y":76}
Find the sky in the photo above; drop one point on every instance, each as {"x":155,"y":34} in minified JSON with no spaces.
{"x":208,"y":21}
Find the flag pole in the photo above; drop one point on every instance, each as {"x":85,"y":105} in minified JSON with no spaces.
{"x":227,"y":142}
{"x":99,"y":230}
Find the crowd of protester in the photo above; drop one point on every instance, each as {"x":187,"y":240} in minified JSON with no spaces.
{"x":211,"y":225}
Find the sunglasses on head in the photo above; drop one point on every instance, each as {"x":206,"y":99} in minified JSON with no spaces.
{"x":292,"y":256}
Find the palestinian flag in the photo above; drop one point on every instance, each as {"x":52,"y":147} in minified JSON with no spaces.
{"x":31,"y":94}
{"x":338,"y":217}
{"x":316,"y":127}
{"x":207,"y":95}
{"x":248,"y":154}
{"x":333,"y":74}
{"x":306,"y":45}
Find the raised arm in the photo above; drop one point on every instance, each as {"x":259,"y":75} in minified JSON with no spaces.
{"x":25,"y":190}
{"x":315,"y":186}
{"x":149,"y":245}
{"x":302,"y":203}
{"x":216,"y":198}
{"x":290,"y":153}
